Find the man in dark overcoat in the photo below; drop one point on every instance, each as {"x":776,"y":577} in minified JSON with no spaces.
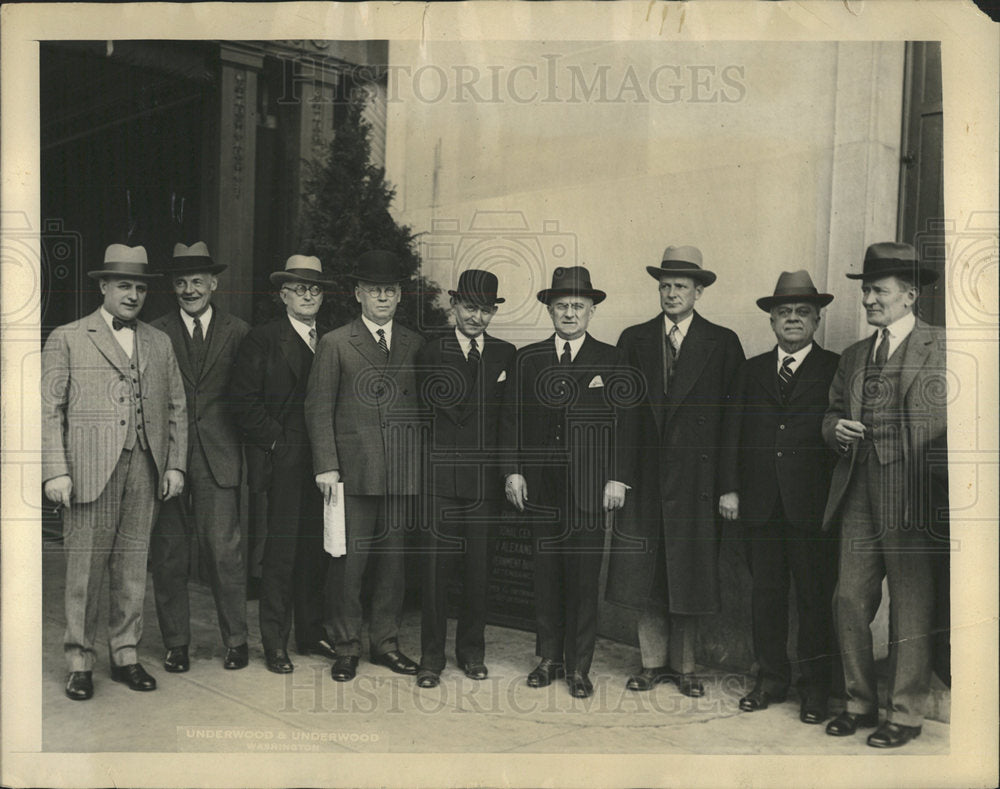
{"x":664,"y":558}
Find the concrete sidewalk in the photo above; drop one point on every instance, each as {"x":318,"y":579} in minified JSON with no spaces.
{"x":212,"y":710}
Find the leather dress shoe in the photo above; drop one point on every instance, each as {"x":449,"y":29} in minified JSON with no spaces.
{"x":760,"y":699}
{"x":545,"y":672}
{"x":277,"y":660}
{"x":475,"y":670}
{"x":176,"y":660}
{"x":580,"y":686}
{"x":321,"y":647}
{"x":236,"y":657}
{"x":845,"y":724}
{"x":689,"y":685}
{"x":396,"y":661}
{"x":427,"y":678}
{"x":133,"y":675}
{"x":344,"y":668}
{"x":892,"y":735}
{"x":648,"y":678}
{"x":813,"y":708}
{"x":79,"y":685}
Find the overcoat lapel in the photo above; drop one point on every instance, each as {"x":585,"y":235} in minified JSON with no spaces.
{"x":649,"y":349}
{"x":362,"y":339}
{"x":767,"y":375}
{"x":174,"y":329}
{"x":398,"y":351}
{"x":142,"y":332}
{"x":451,"y":355}
{"x":856,"y":376}
{"x":218,"y":334}
{"x":917,"y":350}
{"x":695,"y":352}
{"x":804,"y":378}
{"x":290,"y":342}
{"x":105,"y":342}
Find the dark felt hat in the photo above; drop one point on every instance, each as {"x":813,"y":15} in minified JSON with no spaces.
{"x":887,"y":258}
{"x":571,"y":281}
{"x":121,"y":260}
{"x":477,"y":286}
{"x":379,"y":267}
{"x":682,"y":261}
{"x":794,"y":286}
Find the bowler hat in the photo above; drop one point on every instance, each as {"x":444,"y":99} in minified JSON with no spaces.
{"x":191,"y":259}
{"x":682,"y":261}
{"x":887,"y":258}
{"x":571,"y":281}
{"x":379,"y":267}
{"x":794,"y":286}
{"x":477,"y":286}
{"x":301,"y":268}
{"x":124,"y":261}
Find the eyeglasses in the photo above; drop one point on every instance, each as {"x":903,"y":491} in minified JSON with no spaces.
{"x":301,"y":290}
{"x":375,"y":291}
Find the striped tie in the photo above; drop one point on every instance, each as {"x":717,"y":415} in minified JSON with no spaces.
{"x":675,"y":340}
{"x":882,"y":352}
{"x":785,"y":376}
{"x":312,"y":340}
{"x":382,"y":343}
{"x":474,"y":355}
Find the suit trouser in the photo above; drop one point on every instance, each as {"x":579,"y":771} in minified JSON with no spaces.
{"x":110,"y":535}
{"x":294,"y":568}
{"x":374,"y":542}
{"x":213,"y":520}
{"x":457,"y":546}
{"x":873,"y":545}
{"x":566,"y":579}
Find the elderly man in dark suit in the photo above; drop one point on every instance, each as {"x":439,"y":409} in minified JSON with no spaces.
{"x":664,"y":558}
{"x":785,"y":469}
{"x":363,"y":416}
{"x":114,"y":443}
{"x":887,"y":421}
{"x":269,"y":392}
{"x":205,"y":341}
{"x":462,"y":377}
{"x":572,"y":465}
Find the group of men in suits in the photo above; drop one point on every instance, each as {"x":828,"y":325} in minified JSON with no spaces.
{"x":673,"y":430}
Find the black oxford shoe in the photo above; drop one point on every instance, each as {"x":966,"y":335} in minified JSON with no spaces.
{"x":133,"y":675}
{"x":321,"y":647}
{"x":277,"y":660}
{"x":236,"y":657}
{"x":813,"y":708}
{"x":176,"y":660}
{"x":689,"y":685}
{"x":845,"y":724}
{"x":396,"y":661}
{"x":344,"y":668}
{"x":648,"y":678}
{"x":79,"y":685}
{"x":545,"y":672}
{"x":892,"y":735}
{"x":760,"y":699}
{"x":580,"y":686}
{"x":476,"y":671}
{"x":426,"y":678}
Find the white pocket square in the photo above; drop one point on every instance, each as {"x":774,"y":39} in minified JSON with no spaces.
{"x":595,"y":382}
{"x":503,"y":377}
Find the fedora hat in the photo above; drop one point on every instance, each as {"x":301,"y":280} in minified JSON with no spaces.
{"x":478,"y":287}
{"x":301,"y":268}
{"x":571,"y":281}
{"x":887,"y":258}
{"x":124,"y":261}
{"x":191,"y":259}
{"x":378,"y":266}
{"x":794,"y":286}
{"x":682,"y":261}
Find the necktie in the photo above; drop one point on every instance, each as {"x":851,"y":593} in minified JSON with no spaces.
{"x":882,"y":352}
{"x":675,"y":340}
{"x":567,"y":355}
{"x":382,"y":343}
{"x":474,"y":355}
{"x":197,"y":343}
{"x":785,"y":376}
{"x":312,"y":339}
{"x":118,"y":324}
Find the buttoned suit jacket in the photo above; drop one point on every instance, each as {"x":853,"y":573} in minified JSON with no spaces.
{"x":465,"y":415}
{"x":209,"y":407}
{"x":86,"y":403}
{"x":363,"y":412}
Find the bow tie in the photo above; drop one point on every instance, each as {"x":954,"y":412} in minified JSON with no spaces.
{"x":118,"y":324}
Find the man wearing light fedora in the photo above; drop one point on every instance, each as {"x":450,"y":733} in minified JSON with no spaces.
{"x":567,"y":463}
{"x":114,"y":444}
{"x":363,"y":416}
{"x":461,"y":377}
{"x":664,"y":559}
{"x":205,"y":341}
{"x":785,"y":469}
{"x":887,"y":422}
{"x":269,"y":391}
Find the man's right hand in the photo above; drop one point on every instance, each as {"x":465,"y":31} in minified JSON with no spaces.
{"x":58,"y":490}
{"x":516,"y":489}
{"x":327,"y":484}
{"x":847,"y":431}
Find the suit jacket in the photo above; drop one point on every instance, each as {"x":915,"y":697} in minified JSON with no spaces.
{"x":687,"y":439}
{"x":363,"y":413}
{"x":86,"y":403}
{"x":568,"y":439}
{"x":209,"y":407}
{"x":268,"y":392}
{"x":923,"y":489}
{"x":781,"y":449}
{"x":465,"y":414}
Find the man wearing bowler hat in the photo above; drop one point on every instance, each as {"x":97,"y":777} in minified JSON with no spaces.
{"x":269,"y":392}
{"x":114,"y":444}
{"x":205,"y":340}
{"x":887,"y":422}
{"x":785,"y":469}
{"x":462,"y":378}
{"x":664,"y":558}
{"x":363,"y":416}
{"x":570,"y":465}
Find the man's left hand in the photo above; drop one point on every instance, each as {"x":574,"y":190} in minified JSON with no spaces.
{"x":614,"y":495}
{"x":172,"y":485}
{"x":729,"y":506}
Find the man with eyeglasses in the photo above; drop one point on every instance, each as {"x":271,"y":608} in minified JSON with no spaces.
{"x":363,"y":417}
{"x":269,"y":392}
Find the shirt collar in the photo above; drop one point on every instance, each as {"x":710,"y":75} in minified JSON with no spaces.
{"x":902,"y":327}
{"x":574,"y":345}
{"x":301,"y":328}
{"x":374,"y":327}
{"x":205,"y":318}
{"x":463,"y":342}
{"x":797,"y":357}
{"x":682,"y":326}
{"x":109,"y":319}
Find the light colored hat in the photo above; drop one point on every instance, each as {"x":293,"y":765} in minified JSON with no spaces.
{"x":301,"y":268}
{"x":124,"y":261}
{"x":682,"y":261}
{"x":794,"y":286}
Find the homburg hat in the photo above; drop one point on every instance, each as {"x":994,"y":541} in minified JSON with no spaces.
{"x":682,"y":261}
{"x":571,"y":281}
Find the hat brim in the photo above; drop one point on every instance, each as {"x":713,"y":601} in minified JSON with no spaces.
{"x":819,"y":299}
{"x":475,"y":298}
{"x":299,"y":275}
{"x":123,"y":274}
{"x":375,"y":279}
{"x":545,"y":296}
{"x":210,"y":268}
{"x":700,"y":276}
{"x":924,"y":276}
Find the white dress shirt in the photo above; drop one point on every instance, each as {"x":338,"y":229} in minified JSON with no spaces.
{"x":205,"y":318}
{"x":124,"y":337}
{"x":898,"y":332}
{"x":374,"y":329}
{"x":465,"y":344}
{"x":302,"y":329}
{"x":797,"y":357}
{"x":682,"y":328}
{"x":574,"y":346}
